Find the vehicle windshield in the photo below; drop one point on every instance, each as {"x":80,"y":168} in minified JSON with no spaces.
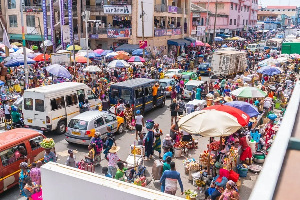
{"x":189,"y":87}
{"x":170,"y":72}
{"x":163,"y":84}
{"x":125,"y":94}
{"x":78,"y":124}
{"x":186,"y":76}
{"x":203,"y":66}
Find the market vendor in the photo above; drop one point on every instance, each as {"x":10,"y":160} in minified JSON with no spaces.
{"x":246,"y":150}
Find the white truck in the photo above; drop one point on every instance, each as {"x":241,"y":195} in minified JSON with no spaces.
{"x":225,"y":63}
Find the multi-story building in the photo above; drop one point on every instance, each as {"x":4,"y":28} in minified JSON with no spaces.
{"x":238,"y":15}
{"x":289,"y":11}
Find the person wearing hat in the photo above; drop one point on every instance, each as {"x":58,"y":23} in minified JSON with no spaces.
{"x":109,"y":141}
{"x":154,"y":93}
{"x":71,"y":160}
{"x":228,"y":99}
{"x":149,"y":139}
{"x":96,"y":140}
{"x":113,"y":158}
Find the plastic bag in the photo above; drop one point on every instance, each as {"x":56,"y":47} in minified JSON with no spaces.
{"x":132,"y":122}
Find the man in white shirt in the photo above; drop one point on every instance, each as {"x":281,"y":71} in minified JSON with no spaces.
{"x":7,"y":111}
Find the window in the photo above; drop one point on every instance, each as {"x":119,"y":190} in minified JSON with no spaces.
{"x":99,"y":122}
{"x":39,"y":105}
{"x":125,"y":94}
{"x":28,"y":104}
{"x":11,"y":4}
{"x":78,"y":124}
{"x":235,"y":6}
{"x":35,"y":142}
{"x":91,"y":95}
{"x":71,"y":99}
{"x":109,"y":118}
{"x":234,"y":21}
{"x":241,"y":8}
{"x":246,"y":22}
{"x":11,"y":155}
{"x":115,"y":93}
{"x":30,"y":20}
{"x":57,"y":103}
{"x":243,"y":22}
{"x":53,"y":104}
{"x":231,"y":6}
{"x":247,"y":9}
{"x":13,"y":21}
{"x":139,"y":93}
{"x":230,"y":22}
{"x":244,"y":8}
{"x":148,"y":91}
{"x":81,"y":96}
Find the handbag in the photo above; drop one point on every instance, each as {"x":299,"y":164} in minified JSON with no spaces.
{"x":132,"y":122}
{"x":37,"y":196}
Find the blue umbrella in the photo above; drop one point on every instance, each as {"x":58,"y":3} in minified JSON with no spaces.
{"x":118,"y":64}
{"x":248,"y":108}
{"x":105,"y":52}
{"x":218,"y":39}
{"x":139,"y":52}
{"x":270,"y":71}
{"x":224,"y":46}
{"x":14,"y":62}
{"x":59,"y":71}
{"x":91,"y":55}
{"x":1,"y":83}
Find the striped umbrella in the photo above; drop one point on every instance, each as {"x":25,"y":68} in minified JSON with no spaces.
{"x":249,"y":92}
{"x":136,"y":59}
{"x":118,"y":64}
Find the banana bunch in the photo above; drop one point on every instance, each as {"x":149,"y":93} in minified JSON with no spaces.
{"x":47,"y":143}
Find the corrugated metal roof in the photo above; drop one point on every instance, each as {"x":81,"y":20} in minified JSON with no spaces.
{"x":134,"y":82}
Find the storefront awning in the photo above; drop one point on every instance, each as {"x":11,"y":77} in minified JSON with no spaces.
{"x":192,"y":40}
{"x":28,"y":37}
{"x":179,"y":42}
{"x":127,"y":47}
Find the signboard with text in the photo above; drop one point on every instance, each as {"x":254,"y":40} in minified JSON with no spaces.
{"x":143,"y":44}
{"x":117,"y":9}
{"x":165,"y":32}
{"x":61,"y":58}
{"x":172,"y":9}
{"x":118,"y":33}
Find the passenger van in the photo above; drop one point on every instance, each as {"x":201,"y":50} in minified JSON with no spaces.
{"x":16,"y":146}
{"x":253,"y":47}
{"x":189,"y":87}
{"x":51,"y":107}
{"x":138,"y":93}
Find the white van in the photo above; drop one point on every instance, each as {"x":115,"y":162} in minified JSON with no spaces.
{"x":188,"y":88}
{"x":51,"y":107}
{"x":253,"y":47}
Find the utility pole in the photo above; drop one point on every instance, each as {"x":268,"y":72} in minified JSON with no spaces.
{"x":143,"y":30}
{"x":207,"y":20}
{"x":213,"y":38}
{"x":44,"y":46}
{"x":86,"y":18}
{"x":24,"y":46}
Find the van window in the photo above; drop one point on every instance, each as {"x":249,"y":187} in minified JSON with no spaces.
{"x":39,"y":105}
{"x":125,"y":94}
{"x":139,"y":93}
{"x":60,"y":101}
{"x":28,"y":104}
{"x":78,"y":124}
{"x":109,"y":118}
{"x":81,"y":95}
{"x":99,"y":122}
{"x":190,"y":87}
{"x":91,"y":95}
{"x":53,"y":104}
{"x":35,"y":142}
{"x":71,"y":100}
{"x":115,"y":93}
{"x":13,"y":154}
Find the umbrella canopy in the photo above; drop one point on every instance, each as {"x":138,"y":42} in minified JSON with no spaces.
{"x":63,"y":51}
{"x":224,"y":46}
{"x":207,"y":45}
{"x":14,"y":62}
{"x":269,"y":70}
{"x":31,"y":55}
{"x":18,"y":44}
{"x":81,"y":59}
{"x":118,"y":64}
{"x":199,"y":43}
{"x":139,"y":52}
{"x":136,"y":59}
{"x":98,"y":51}
{"x":42,"y":58}
{"x":122,"y":57}
{"x":122,"y":52}
{"x":59,"y":71}
{"x":218,"y":39}
{"x":105,"y":52}
{"x":47,"y":43}
{"x":241,"y":116}
{"x":249,"y":92}
{"x":71,"y":48}
{"x":248,"y":108}
{"x":20,"y":51}
{"x":137,"y":63}
{"x":200,"y":122}
{"x":92,"y":68}
{"x":1,"y":83}
{"x":112,"y":54}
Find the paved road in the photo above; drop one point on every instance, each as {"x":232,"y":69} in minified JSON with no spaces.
{"x":159,"y":115}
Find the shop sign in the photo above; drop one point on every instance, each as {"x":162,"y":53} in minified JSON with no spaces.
{"x":165,"y":32}
{"x":172,"y":9}
{"x":143,"y":44}
{"x":169,"y":31}
{"x":94,"y":36}
{"x":117,"y":9}
{"x":177,"y":31}
{"x":196,"y":14}
{"x":118,"y":33}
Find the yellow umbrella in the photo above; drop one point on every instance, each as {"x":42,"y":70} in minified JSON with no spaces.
{"x":235,"y":38}
{"x":77,"y":48}
{"x":18,"y":44}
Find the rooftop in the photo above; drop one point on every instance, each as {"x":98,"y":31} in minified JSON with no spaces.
{"x":134,"y":82}
{"x":90,"y":115}
{"x":281,"y":7}
{"x":197,"y":9}
{"x":57,"y":87}
{"x":266,"y":13}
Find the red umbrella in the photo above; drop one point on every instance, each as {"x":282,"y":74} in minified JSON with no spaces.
{"x":41,"y":57}
{"x":242,"y":117}
{"x":207,"y":45}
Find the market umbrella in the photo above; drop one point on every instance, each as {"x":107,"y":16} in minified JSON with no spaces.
{"x":122,"y":57}
{"x":207,"y":45}
{"x":122,"y":52}
{"x":209,"y":123}
{"x":112,"y":54}
{"x":1,"y":83}
{"x":17,"y":61}
{"x":241,"y":116}
{"x":249,"y":92}
{"x":105,"y":52}
{"x":20,"y":51}
{"x":139,"y":52}
{"x":118,"y":64}
{"x":31,"y":55}
{"x":136,"y":59}
{"x":18,"y":44}
{"x":224,"y":46}
{"x":199,"y":43}
{"x":218,"y":39}
{"x":92,"y":68}
{"x":81,"y":59}
{"x":42,"y":58}
{"x":71,"y":48}
{"x":248,"y":108}
{"x":59,"y":71}
{"x":47,"y":43}
{"x":269,"y":70}
{"x":63,"y":51}
{"x":137,"y":63}
{"x":98,"y":51}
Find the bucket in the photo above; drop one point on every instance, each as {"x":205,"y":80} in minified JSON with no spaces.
{"x":177,"y":152}
{"x":252,"y":146}
{"x":243,"y":172}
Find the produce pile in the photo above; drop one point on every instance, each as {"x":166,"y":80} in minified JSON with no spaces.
{"x":214,"y":146}
{"x":141,"y":181}
{"x":204,"y":159}
{"x":179,"y":144}
{"x":190,"y":194}
{"x":47,"y":143}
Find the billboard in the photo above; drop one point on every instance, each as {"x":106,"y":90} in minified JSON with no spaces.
{"x":61,"y":58}
{"x":118,"y":33}
{"x":117,"y":9}
{"x":148,"y":18}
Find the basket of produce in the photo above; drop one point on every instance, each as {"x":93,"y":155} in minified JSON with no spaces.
{"x":47,"y":143}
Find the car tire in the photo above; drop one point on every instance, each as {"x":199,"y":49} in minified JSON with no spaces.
{"x":61,"y":127}
{"x":121,"y":129}
{"x":163,"y":103}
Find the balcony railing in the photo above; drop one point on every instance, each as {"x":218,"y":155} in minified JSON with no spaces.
{"x":121,"y":2}
{"x":111,"y":32}
{"x":160,"y":8}
{"x":167,"y":32}
{"x":95,"y":8}
{"x":32,"y":9}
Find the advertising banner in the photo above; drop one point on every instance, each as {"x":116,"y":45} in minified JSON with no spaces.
{"x":177,"y":31}
{"x":143,"y":44}
{"x":44,"y":7}
{"x":66,"y":34}
{"x":169,"y":31}
{"x":172,"y":9}
{"x":62,"y":23}
{"x":117,"y":9}
{"x":118,"y":33}
{"x":52,"y":23}
{"x":70,"y":15}
{"x":61,"y":58}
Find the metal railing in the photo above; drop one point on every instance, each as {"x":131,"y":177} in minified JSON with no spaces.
{"x":158,"y":32}
{"x":160,"y":8}
{"x":32,"y":9}
{"x":94,"y":8}
{"x":94,"y":30}
{"x":121,"y":2}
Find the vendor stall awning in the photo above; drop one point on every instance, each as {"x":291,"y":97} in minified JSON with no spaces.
{"x":192,"y":40}
{"x":179,"y":42}
{"x":127,"y":47}
{"x":27,"y":37}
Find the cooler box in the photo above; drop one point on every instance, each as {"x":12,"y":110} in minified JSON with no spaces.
{"x":130,"y":160}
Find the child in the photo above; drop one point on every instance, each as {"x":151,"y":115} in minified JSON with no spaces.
{"x":71,"y":160}
{"x":105,"y":172}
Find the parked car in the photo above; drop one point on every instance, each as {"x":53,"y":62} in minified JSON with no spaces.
{"x":189,"y":87}
{"x":167,"y":85}
{"x":171,"y":72}
{"x":82,"y":127}
{"x":204,"y":69}
{"x":186,"y":76}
